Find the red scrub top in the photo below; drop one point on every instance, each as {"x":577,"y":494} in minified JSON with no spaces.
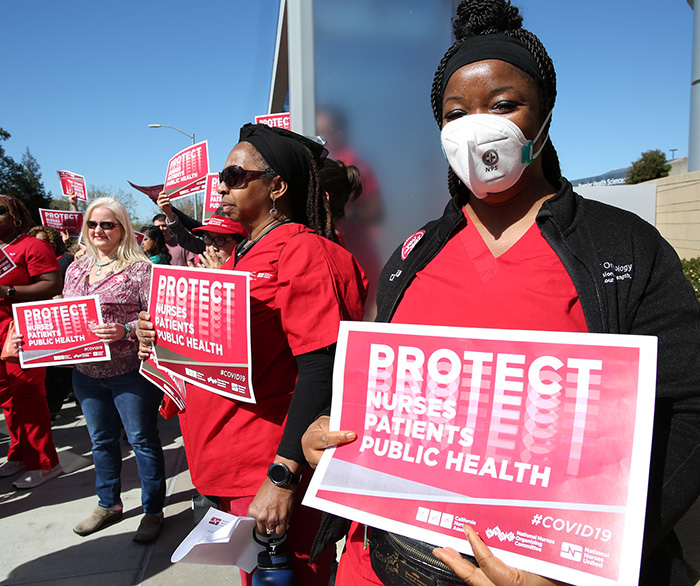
{"x":32,"y":257}
{"x":302,"y":286}
{"x":526,"y":288}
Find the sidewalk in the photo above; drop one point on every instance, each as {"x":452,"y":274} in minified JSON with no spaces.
{"x":40,"y":548}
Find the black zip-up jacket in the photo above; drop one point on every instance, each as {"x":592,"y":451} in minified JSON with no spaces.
{"x":629,"y":281}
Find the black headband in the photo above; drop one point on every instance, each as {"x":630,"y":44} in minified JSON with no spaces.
{"x":495,"y":46}
{"x":284,"y":151}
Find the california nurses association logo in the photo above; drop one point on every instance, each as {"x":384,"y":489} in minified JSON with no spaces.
{"x":410,"y":243}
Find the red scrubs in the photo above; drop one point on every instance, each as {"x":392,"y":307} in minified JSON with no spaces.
{"x":302,"y":286}
{"x":526,"y":288}
{"x":22,"y":392}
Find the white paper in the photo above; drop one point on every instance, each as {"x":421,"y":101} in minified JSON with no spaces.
{"x":220,"y":539}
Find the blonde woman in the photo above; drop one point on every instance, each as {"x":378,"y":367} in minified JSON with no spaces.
{"x":111,"y":393}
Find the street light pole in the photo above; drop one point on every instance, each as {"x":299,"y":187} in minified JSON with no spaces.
{"x":196,"y":204}
{"x":167,"y":126}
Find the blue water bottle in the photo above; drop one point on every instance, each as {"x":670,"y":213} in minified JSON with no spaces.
{"x":273,"y":564}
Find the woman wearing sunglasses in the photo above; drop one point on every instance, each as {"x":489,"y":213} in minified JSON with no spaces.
{"x":114,"y":393}
{"x":303,"y":284}
{"x":35,"y":277}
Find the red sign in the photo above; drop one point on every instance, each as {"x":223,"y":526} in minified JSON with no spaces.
{"x":188,"y":167}
{"x":202,"y":317}
{"x":276,"y":120}
{"x":58,"y":332}
{"x":540,"y":440}
{"x":72,"y":183}
{"x":170,"y":385}
{"x":212,"y":198}
{"x":6,"y":263}
{"x":62,"y":220}
{"x":139,"y":237}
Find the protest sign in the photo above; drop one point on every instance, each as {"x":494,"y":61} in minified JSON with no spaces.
{"x":187,"y":168}
{"x":212,"y":198}
{"x":72,"y":183}
{"x":202,"y":317}
{"x":540,"y":440}
{"x":281,"y":120}
{"x":62,"y":220}
{"x":6,"y":263}
{"x":57,"y":332}
{"x":139,"y":237}
{"x":170,"y":385}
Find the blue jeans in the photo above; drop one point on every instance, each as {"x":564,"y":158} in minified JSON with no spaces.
{"x":134,"y":400}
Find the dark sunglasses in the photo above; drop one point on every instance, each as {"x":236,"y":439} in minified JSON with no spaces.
{"x":218,"y":241}
{"x":3,"y":210}
{"x":104,"y":225}
{"x":236,"y":176}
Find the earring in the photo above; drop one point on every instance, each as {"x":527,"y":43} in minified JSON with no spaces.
{"x":17,"y":223}
{"x":273,"y":209}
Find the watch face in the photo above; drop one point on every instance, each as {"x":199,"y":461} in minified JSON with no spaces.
{"x":278,"y":473}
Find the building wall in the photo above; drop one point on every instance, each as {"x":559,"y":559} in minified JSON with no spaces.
{"x":678,"y":212}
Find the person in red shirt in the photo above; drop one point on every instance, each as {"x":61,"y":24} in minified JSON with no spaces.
{"x":303,"y":284}
{"x":35,"y":276}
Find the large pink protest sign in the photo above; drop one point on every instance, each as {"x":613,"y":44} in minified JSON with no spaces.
{"x":540,"y":440}
{"x":72,"y":183}
{"x":62,"y":220}
{"x":212,"y":197}
{"x":58,"y":331}
{"x":201,"y":318}
{"x":189,"y":166}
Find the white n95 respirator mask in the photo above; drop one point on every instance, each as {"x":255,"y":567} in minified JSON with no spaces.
{"x":488,"y":152}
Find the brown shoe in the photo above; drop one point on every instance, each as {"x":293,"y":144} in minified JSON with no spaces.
{"x":149,"y":528}
{"x":99,"y":518}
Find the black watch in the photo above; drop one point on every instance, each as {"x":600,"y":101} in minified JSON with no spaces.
{"x":280,"y":475}
{"x":11,"y":292}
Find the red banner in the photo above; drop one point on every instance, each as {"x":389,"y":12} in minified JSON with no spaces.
{"x":202,"y":317}
{"x":62,"y":220}
{"x":540,"y":440}
{"x":72,"y":183}
{"x":58,"y":332}
{"x":190,"y":166}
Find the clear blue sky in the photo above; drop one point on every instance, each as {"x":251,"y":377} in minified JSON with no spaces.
{"x":81,"y":80}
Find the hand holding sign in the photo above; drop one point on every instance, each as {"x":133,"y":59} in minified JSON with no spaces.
{"x":491,"y":570}
{"x":317,"y":438}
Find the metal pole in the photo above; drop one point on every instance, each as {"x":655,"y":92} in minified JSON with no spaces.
{"x":694,"y":130}
{"x":196,"y":204}
{"x":302,"y":85}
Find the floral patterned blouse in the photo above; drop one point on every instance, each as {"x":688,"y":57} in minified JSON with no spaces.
{"x":122,"y":295}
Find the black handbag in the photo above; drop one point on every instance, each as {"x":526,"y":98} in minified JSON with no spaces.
{"x":402,"y":561}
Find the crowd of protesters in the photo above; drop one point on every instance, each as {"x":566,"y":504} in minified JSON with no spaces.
{"x":517,"y":251}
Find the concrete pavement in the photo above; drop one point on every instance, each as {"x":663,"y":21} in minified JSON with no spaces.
{"x":40,"y":548}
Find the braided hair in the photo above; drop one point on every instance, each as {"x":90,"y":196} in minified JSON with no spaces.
{"x":314,"y":210}
{"x":485,"y":17}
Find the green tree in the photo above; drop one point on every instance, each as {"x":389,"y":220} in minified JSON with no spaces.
{"x":23,"y":180}
{"x":691,"y":269}
{"x":651,"y":165}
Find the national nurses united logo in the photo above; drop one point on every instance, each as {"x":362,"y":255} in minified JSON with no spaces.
{"x":410,"y":243}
